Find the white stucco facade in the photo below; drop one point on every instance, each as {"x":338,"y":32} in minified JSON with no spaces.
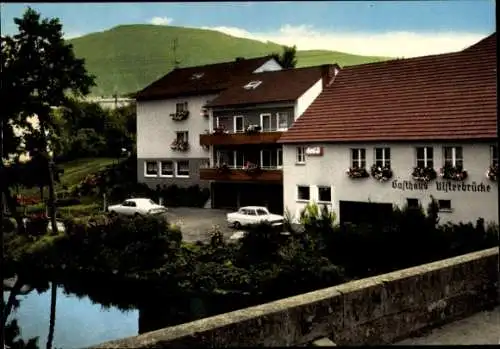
{"x":475,"y":197}
{"x":156,"y":130}
{"x":304,"y":101}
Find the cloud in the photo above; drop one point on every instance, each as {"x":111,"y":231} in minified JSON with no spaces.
{"x":391,"y":44}
{"x":161,"y":20}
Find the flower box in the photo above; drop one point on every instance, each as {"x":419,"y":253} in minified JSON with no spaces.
{"x":179,"y":146}
{"x":492,"y":173}
{"x":424,"y":174}
{"x":380,"y":173}
{"x":455,"y":173}
{"x":180,"y":115}
{"x":355,"y":172}
{"x":219,"y":130}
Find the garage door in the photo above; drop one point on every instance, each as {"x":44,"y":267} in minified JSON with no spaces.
{"x":364,"y":212}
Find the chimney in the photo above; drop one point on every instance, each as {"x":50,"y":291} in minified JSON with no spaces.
{"x":328,"y":73}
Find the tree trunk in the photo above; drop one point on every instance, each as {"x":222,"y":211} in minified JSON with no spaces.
{"x":53,"y":303}
{"x":12,"y":297}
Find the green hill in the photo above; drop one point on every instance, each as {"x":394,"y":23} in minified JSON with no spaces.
{"x":129,"y":57}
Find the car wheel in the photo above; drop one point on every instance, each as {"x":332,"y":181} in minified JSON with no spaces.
{"x":236,"y":225}
{"x":113,"y":213}
{"x":137,"y":214}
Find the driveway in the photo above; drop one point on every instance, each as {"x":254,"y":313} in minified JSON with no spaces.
{"x":195,"y":223}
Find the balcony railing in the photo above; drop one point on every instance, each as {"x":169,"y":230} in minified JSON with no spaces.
{"x":240,"y":173}
{"x":247,"y":137}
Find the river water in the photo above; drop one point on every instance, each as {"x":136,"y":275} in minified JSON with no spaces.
{"x":79,"y":322}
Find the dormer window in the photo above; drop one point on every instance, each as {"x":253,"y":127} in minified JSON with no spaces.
{"x":252,"y":85}
{"x":197,"y":76}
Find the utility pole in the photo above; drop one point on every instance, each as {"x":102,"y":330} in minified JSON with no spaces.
{"x":174,"y":50}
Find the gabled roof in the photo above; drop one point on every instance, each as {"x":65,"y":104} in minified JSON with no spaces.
{"x":440,"y":97}
{"x":204,"y":79}
{"x":274,"y":86}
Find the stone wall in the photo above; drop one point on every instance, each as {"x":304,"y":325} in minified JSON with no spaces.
{"x":376,"y":310}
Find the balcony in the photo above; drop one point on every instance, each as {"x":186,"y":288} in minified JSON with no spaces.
{"x":222,"y":138}
{"x":269,"y":175}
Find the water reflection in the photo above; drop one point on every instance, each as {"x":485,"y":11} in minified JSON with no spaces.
{"x":79,"y":323}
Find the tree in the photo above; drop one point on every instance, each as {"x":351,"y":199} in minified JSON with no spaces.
{"x":288,"y":58}
{"x":39,"y":72}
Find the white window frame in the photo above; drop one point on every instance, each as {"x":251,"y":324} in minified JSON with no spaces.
{"x":300,"y":155}
{"x":408,"y":205}
{"x":146,"y":169}
{"x":426,"y":156}
{"x":177,"y":175}
{"x":493,"y":158}
{"x":324,"y":187}
{"x":270,"y":122}
{"x":385,"y":159}
{"x":184,"y":138}
{"x":279,"y":116}
{"x":235,"y":155}
{"x":358,"y":159}
{"x":161,"y":168}
{"x":183,"y":106}
{"x":453,"y":155}
{"x":236,"y":117}
{"x":450,"y":209}
{"x":297,"y":193}
{"x":279,"y":158}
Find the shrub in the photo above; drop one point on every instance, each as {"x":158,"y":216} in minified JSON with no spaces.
{"x":68,"y":201}
{"x":8,"y":225}
{"x":37,"y":224}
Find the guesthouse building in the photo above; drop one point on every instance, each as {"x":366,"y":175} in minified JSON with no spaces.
{"x":398,"y":133}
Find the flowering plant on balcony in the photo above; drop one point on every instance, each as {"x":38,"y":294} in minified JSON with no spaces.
{"x":424,"y":174}
{"x":492,"y":172}
{"x":357,"y":172}
{"x":381,"y":173}
{"x":253,"y":129}
{"x":219,"y":130}
{"x":180,"y":115}
{"x":251,"y":168}
{"x":179,"y":145}
{"x":223,"y":168}
{"x":456,"y":173}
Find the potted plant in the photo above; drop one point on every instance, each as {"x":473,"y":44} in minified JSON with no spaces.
{"x":179,"y":145}
{"x":492,"y":173}
{"x":424,"y":174}
{"x":381,"y":173}
{"x":223,"y":168}
{"x":357,"y":172}
{"x":219,"y":130}
{"x":180,"y":115}
{"x":456,"y":173}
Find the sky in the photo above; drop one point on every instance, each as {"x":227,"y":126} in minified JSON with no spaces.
{"x":381,"y":28}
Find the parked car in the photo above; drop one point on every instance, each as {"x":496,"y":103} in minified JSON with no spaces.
{"x":253,"y":215}
{"x":137,"y":207}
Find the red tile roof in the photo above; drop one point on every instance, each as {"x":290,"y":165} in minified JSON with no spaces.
{"x":440,"y":97}
{"x":276,"y":86}
{"x":212,"y":79}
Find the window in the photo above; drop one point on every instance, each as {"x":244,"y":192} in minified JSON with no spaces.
{"x":252,"y":85}
{"x":282,"y":120}
{"x":453,"y":157}
{"x":383,"y":157}
{"x":303,"y":192}
{"x":240,"y":159}
{"x":131,"y":204}
{"x":205,"y":164}
{"x":182,"y":136}
{"x":225,"y":157}
{"x":182,"y":168}
{"x":265,"y":122}
{"x":261,"y":212}
{"x":412,"y":203}
{"x":181,"y":107}
{"x":248,"y":212}
{"x":301,"y":155}
{"x":444,"y":205}
{"x":166,"y":168}
{"x":279,"y":155}
{"x":425,"y":157}
{"x":239,"y":125}
{"x":270,"y":158}
{"x":324,"y":194}
{"x":494,"y":155}
{"x":358,"y":157}
{"x":151,"y":168}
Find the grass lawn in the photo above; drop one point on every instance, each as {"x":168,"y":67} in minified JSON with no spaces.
{"x":74,"y":172}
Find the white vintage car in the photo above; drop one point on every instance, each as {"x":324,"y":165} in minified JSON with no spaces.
{"x":137,"y":207}
{"x":253,"y":215}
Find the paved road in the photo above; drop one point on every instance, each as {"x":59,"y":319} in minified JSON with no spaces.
{"x":480,"y":328}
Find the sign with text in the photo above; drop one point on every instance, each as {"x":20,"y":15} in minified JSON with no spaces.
{"x":314,"y":151}
{"x":444,"y":186}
